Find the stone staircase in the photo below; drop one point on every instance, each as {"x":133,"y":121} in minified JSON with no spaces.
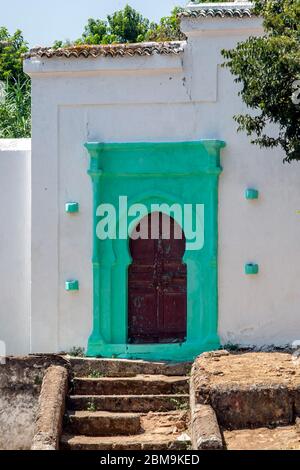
{"x":127,"y":405}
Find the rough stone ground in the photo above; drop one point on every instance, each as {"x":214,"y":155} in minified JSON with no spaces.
{"x":261,"y":368}
{"x":256,"y":397}
{"x":172,"y":423}
{"x":280,"y":438}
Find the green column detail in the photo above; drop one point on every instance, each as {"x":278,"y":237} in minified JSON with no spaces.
{"x":154,"y":173}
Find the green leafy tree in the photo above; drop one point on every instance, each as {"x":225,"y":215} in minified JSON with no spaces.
{"x":15,"y":109}
{"x":94,"y":31}
{"x":11,"y":49}
{"x":122,"y":26}
{"x":15,"y":100}
{"x":168,"y":28}
{"x":128,"y":25}
{"x":97,"y":32}
{"x":58,"y":44}
{"x":268,"y":69}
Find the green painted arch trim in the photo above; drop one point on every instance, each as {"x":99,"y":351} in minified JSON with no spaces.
{"x":181,"y":172}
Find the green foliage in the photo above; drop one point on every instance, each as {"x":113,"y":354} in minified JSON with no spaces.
{"x":122,"y":26}
{"x":15,"y":109}
{"x":38,"y":380}
{"x":168,"y":28}
{"x":15,"y":90}
{"x":179,"y":404}
{"x":11,"y":49}
{"x":94,"y":31}
{"x":95,"y":374}
{"x":59,"y":44}
{"x":91,"y":406}
{"x":267,"y":68}
{"x":77,"y":351}
{"x":128,"y":25}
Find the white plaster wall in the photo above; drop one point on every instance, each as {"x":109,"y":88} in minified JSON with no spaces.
{"x":165,"y":98}
{"x":263,"y":309}
{"x":15,"y":245}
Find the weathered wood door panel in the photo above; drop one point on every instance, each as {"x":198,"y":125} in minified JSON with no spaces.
{"x":157,"y":283}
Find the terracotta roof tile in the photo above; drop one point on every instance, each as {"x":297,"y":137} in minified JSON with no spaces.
{"x":221,"y":11}
{"x":111,"y":50}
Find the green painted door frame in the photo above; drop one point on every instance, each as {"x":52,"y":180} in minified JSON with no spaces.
{"x":154,"y":173}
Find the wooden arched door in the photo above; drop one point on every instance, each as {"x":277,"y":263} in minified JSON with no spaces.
{"x":157,"y":282}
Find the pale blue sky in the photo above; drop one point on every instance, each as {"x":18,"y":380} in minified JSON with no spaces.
{"x":44,"y":21}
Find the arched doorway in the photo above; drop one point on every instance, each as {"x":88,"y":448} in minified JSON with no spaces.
{"x":157,"y":282}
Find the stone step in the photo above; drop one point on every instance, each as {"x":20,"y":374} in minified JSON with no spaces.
{"x":102,"y":423}
{"x":141,"y":385}
{"x":139,"y":442}
{"x":84,"y":367}
{"x":127,"y":403}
